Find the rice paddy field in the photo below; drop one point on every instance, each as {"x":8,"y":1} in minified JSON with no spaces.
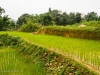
{"x":87,"y":51}
{"x":12,"y":63}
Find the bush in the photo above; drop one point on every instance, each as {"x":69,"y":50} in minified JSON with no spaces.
{"x":30,"y":27}
{"x":92,"y":23}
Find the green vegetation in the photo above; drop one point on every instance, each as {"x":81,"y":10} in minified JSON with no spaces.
{"x":92,"y":23}
{"x":87,"y":51}
{"x":31,"y":23}
{"x":59,"y":18}
{"x":43,"y":60}
{"x":12,"y":63}
{"x":29,"y":27}
{"x":73,"y":31}
{"x":5,"y":22}
{"x":46,"y":61}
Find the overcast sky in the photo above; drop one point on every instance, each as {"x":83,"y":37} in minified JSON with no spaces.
{"x":15,"y":8}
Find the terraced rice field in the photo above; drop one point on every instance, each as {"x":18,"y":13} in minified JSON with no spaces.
{"x":87,"y":51}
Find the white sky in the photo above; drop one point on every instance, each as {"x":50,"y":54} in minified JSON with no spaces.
{"x":15,"y":8}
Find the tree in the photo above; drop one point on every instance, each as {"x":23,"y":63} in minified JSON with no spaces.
{"x":1,"y":26}
{"x":78,"y":17}
{"x":4,"y":22}
{"x":50,"y":10}
{"x":91,"y":16}
{"x":12,"y":24}
{"x":23,"y":19}
{"x":59,"y":19}
{"x":72,"y":18}
{"x":65,"y":18}
{"x":1,"y":11}
{"x":54,"y":13}
{"x":45,"y":19}
{"x":34,"y":18}
{"x":99,"y":18}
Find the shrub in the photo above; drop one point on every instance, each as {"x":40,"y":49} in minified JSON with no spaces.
{"x":30,"y":27}
{"x":92,"y":23}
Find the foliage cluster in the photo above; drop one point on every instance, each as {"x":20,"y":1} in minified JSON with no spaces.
{"x":5,"y":22}
{"x":58,"y":17}
{"x":52,"y":62}
{"x":92,"y":23}
{"x":30,"y":27}
{"x":52,"y":17}
{"x":23,"y":19}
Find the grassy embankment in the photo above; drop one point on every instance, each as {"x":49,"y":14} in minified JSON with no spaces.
{"x":88,"y":51}
{"x":86,"y":32}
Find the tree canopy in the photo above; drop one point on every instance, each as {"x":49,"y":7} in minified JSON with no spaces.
{"x":5,"y":21}
{"x":23,"y":19}
{"x":57,"y":17}
{"x":1,"y":11}
{"x":91,"y":16}
{"x":52,"y":17}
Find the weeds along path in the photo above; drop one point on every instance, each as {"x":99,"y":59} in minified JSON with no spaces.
{"x":84,"y":51}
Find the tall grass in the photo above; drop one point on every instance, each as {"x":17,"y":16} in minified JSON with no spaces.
{"x":11,"y":63}
{"x":87,"y":51}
